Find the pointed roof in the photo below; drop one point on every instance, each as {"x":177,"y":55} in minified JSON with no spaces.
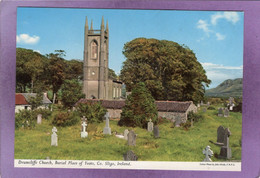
{"x":102,"y":23}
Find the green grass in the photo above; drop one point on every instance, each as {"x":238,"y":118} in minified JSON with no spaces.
{"x":174,"y":144}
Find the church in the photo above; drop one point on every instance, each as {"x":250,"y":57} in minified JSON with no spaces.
{"x":96,"y":81}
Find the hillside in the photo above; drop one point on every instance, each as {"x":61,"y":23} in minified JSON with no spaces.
{"x":227,"y":88}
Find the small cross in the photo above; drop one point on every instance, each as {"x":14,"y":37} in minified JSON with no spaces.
{"x":54,"y":129}
{"x":150,"y":120}
{"x":84,"y":119}
{"x":107,"y":115}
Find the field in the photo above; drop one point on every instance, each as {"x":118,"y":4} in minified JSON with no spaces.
{"x":174,"y":144}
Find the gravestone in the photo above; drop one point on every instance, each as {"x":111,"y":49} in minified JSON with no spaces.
{"x":156,"y":132}
{"x":225,"y":151}
{"x":208,"y":103}
{"x":84,"y":134}
{"x":226,"y":112}
{"x":208,"y":154}
{"x":198,"y":105}
{"x":150,"y":126}
{"x":126,"y":134}
{"x":39,"y":119}
{"x":107,"y":129}
{"x":204,"y":109}
{"x":54,"y":137}
{"x":201,"y":103}
{"x":220,"y":112}
{"x":220,"y":134}
{"x":131,"y":138}
{"x":130,"y":156}
{"x":177,"y":121}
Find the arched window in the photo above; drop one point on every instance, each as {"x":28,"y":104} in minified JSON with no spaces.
{"x":94,"y":49}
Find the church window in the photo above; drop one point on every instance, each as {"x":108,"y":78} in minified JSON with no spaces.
{"x":94,"y":49}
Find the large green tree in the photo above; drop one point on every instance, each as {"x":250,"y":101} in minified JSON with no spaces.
{"x":170,"y":71}
{"x":139,"y":108}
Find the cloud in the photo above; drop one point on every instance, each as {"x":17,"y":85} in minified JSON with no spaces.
{"x":218,"y":73}
{"x":232,"y":17}
{"x":220,"y":37}
{"x":27,"y":39}
{"x":202,"y":24}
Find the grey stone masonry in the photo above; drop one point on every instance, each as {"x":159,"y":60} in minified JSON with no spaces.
{"x":54,"y":137}
{"x":39,"y":119}
{"x":107,"y":129}
{"x":150,"y":126}
{"x":220,"y":112}
{"x":208,"y":154}
{"x":156,"y":132}
{"x":225,"y":151}
{"x":226,"y":112}
{"x":131,"y":138}
{"x":126,"y":134}
{"x":130,"y":156}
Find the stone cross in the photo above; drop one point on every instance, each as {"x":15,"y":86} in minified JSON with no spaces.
{"x":225,"y":151}
{"x":84,"y":134}
{"x":131,"y":138}
{"x":150,"y":126}
{"x":39,"y":119}
{"x":126,"y":134}
{"x":130,"y":156}
{"x":220,"y":112}
{"x":156,"y":132}
{"x":226,"y":112}
{"x":208,"y":154}
{"x":107,"y":129}
{"x":54,"y":137}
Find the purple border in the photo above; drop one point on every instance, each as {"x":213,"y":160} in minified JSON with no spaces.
{"x":251,"y":94}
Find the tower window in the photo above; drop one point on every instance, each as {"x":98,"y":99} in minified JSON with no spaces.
{"x":94,"y":49}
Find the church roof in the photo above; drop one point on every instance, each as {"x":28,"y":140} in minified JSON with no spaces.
{"x":163,"y":106}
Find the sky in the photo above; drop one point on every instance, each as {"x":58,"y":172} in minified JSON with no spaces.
{"x":216,"y":37}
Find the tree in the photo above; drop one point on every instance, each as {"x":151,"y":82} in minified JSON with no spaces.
{"x":71,"y":92}
{"x":55,"y":72}
{"x":139,"y":108}
{"x":169,"y":71}
{"x":112,"y":74}
{"x":74,"y":69}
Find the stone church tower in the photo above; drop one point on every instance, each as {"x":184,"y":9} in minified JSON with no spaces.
{"x":95,"y":81}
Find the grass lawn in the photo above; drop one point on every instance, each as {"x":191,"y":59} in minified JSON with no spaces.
{"x":174,"y":144}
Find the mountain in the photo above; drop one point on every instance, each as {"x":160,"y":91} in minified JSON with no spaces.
{"x":227,"y":88}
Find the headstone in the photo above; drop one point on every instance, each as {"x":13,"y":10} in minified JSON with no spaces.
{"x":201,"y":103}
{"x":126,"y":134}
{"x":130,"y":156}
{"x":225,"y":151}
{"x":208,"y":154}
{"x":208,"y":103}
{"x":84,"y":134}
{"x":226,"y":112}
{"x":131,"y":138}
{"x":150,"y":126}
{"x":231,"y":107}
{"x":156,"y":132}
{"x":177,"y":121}
{"x":198,"y":105}
{"x":220,"y":134}
{"x":54,"y":137}
{"x":220,"y":112}
{"x":39,"y":119}
{"x":204,"y":109}
{"x":107,"y":129}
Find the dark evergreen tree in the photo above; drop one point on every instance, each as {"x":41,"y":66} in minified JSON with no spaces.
{"x":140,"y":107}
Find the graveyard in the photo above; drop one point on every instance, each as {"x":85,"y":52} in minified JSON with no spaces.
{"x":170,"y":144}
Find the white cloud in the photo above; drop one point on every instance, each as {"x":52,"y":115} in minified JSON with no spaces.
{"x":27,"y":39}
{"x":218,"y":73}
{"x":202,"y":24}
{"x":220,"y":37}
{"x":232,"y":17}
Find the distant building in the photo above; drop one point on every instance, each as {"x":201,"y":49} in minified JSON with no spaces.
{"x":22,"y":101}
{"x":96,"y":82}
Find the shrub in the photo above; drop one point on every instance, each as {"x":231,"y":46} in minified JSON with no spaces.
{"x":211,"y":108}
{"x":195,"y":117}
{"x":186,"y":125}
{"x":25,"y":118}
{"x":64,"y":119}
{"x":139,"y":108}
{"x":94,"y":112}
{"x":46,"y":113}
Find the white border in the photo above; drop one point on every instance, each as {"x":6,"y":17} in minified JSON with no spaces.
{"x":151,"y":165}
